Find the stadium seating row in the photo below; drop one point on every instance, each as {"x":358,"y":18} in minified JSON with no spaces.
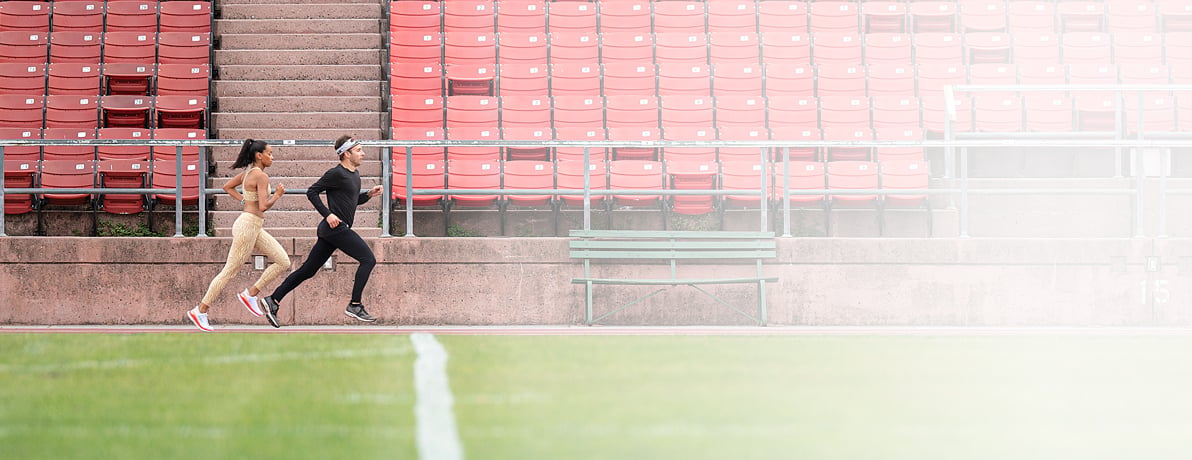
{"x":108,"y":47}
{"x":99,"y":16}
{"x":655,"y":175}
{"x":103,"y":152}
{"x":109,"y":111}
{"x":89,"y":79}
{"x":107,"y":173}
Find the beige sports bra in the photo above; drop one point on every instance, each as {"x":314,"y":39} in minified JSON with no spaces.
{"x":251,"y":195}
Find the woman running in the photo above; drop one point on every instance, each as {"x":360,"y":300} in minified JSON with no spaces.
{"x":248,"y":231}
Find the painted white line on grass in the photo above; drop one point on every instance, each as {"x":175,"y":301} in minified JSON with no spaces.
{"x":226,"y":359}
{"x":438,"y":438}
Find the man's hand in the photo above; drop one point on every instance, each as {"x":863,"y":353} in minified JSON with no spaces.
{"x":333,"y":220}
{"x":374,"y":192}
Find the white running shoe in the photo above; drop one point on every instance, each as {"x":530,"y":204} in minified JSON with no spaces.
{"x":251,"y":304}
{"x":200,"y":319}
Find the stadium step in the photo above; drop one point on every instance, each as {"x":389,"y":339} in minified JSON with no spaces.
{"x":302,"y":104}
{"x":305,"y":57}
{"x":301,"y":11}
{"x":320,"y":134}
{"x":292,"y":201}
{"x":278,"y":88}
{"x":300,"y":72}
{"x":342,"y":120}
{"x":300,"y":223}
{"x":229,"y":28}
{"x":288,"y":163}
{"x":322,"y":42}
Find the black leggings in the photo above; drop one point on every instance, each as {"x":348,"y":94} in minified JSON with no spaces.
{"x":342,"y":238}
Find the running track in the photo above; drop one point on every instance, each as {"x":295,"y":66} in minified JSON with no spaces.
{"x":613,"y":330}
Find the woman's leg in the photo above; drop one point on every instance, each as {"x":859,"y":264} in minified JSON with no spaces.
{"x":269,"y":246}
{"x":244,"y":235}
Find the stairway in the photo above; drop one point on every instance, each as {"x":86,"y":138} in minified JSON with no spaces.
{"x":294,"y":69}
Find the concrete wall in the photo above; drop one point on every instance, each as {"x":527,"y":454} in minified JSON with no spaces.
{"x":476,"y":281}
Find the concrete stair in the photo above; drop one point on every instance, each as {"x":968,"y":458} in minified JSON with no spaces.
{"x":304,"y":70}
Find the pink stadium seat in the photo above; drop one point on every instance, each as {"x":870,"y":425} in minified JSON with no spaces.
{"x":416,"y":47}
{"x":634,"y":134}
{"x":68,"y":152}
{"x":521,"y":16}
{"x":183,"y":79}
{"x":128,"y":78}
{"x":21,"y":111}
{"x":934,"y":77}
{"x":631,"y":111}
{"x":1036,"y":48}
{"x":1042,"y":74}
{"x":584,"y":112}
{"x":988,"y":48}
{"x":72,"y":111}
{"x":743,"y":175}
{"x":852,"y":175}
{"x":677,"y":47}
{"x":790,"y":113}
{"x":185,"y":16}
{"x":789,"y":80}
{"x":73,"y":78}
{"x":858,"y":133}
{"x":170,"y":153}
{"x":570,"y":176}
{"x":474,"y":133}
{"x":786,"y":48}
{"x":993,"y":74}
{"x":1143,"y":49}
{"x":470,"y":79}
{"x":908,"y":134}
{"x":123,"y":111}
{"x":415,"y":17}
{"x":1158,"y":113}
{"x":833,"y":16}
{"x":418,"y":111}
{"x":1087,"y":48}
{"x":1001,"y":113}
{"x":796,"y":176}
{"x":934,"y":113}
{"x":895,"y":112}
{"x":891,"y":80}
{"x":888,"y":48}
{"x":580,"y":134}
{"x":473,"y":174}
{"x":1081,"y":16}
{"x":420,"y":134}
{"x":575,"y":80}
{"x":939,"y":48}
{"x":1093,"y":74}
{"x":627,"y":78}
{"x":733,"y":16}
{"x":736,"y":48}
{"x":122,"y":173}
{"x":635,"y":175}
{"x":130,"y":47}
{"x":526,"y":118}
{"x":627,"y":17}
{"x":782,"y":16}
{"x":883,"y":17}
{"x":627,"y":48}
{"x":473,"y":16}
{"x":840,"y":80}
{"x":1047,"y":112}
{"x":22,"y":16}
{"x":1031,"y":16}
{"x":729,"y":155}
{"x":428,"y":173}
{"x":75,"y":47}
{"x":465,"y":47}
{"x":165,"y":175}
{"x":22,"y":78}
{"x":740,"y":111}
{"x":571,"y":18}
{"x":839,"y":48}
{"x":686,"y":111}
{"x":734,"y":79}
{"x":523,"y":80}
{"x":529,"y":175}
{"x":679,"y":16}
{"x":22,"y":153}
{"x":933,"y":16}
{"x":982,"y":16}
{"x":573,"y":48}
{"x":131,"y":16}
{"x":691,"y":175}
{"x":522,"y":48}
{"x":81,"y":16}
{"x":18,"y":174}
{"x":124,"y":152}
{"x":475,"y":111}
{"x":1131,"y":16}
{"x":905,"y":175}
{"x":688,"y":79}
{"x":810,"y":133}
{"x":24,"y":47}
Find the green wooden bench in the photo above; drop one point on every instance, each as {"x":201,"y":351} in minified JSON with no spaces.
{"x":637,"y":246}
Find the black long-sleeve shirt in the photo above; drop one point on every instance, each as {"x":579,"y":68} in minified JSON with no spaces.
{"x":343,"y":194}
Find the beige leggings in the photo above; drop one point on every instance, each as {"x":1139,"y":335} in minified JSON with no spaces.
{"x":248,"y":233}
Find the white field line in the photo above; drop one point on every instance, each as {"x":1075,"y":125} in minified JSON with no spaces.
{"x":226,"y":359}
{"x":437,"y":436}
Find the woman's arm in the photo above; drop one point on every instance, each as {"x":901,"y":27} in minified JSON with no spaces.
{"x":230,"y":186}
{"x":263,"y":190}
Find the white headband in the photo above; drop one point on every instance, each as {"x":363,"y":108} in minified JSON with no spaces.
{"x":347,"y":146}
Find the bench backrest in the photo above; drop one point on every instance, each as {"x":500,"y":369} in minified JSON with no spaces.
{"x":631,"y":244}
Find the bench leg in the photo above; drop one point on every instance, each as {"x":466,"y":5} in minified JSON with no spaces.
{"x":588,"y":303}
{"x":761,"y":303}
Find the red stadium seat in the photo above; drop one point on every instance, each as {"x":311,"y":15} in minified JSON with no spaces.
{"x":787,"y":48}
{"x":521,"y":16}
{"x":170,"y":153}
{"x":741,"y":111}
{"x":72,"y":111}
{"x":628,"y":16}
{"x":185,"y":16}
{"x":789,"y":80}
{"x":22,"y":153}
{"x":183,"y":79}
{"x":474,"y":111}
{"x":833,"y":16}
{"x":734,"y":16}
{"x":679,"y":16}
{"x":803,"y":175}
{"x":859,"y":132}
{"x":987,"y":47}
{"x":473,"y":174}
{"x":853,"y":175}
{"x":67,"y":174}
{"x":471,"y":79}
{"x":888,"y":48}
{"x":744,"y":175}
{"x":934,"y":77}
{"x":1087,"y":48}
{"x":1000,"y":113}
{"x":1131,"y":16}
{"x":131,"y":16}
{"x":415,"y":17}
{"x":570,"y":174}
{"x":165,"y":175}
{"x":891,"y":80}
{"x":626,"y":48}
{"x":1031,"y":17}
{"x":737,"y":80}
{"x":188,"y":112}
{"x":24,"y":47}
{"x":72,"y":46}
{"x":130,"y":47}
{"x":583,"y":112}
{"x":809,"y":133}
{"x":838,"y":48}
{"x":635,"y":175}
{"x":895,"y":112}
{"x":22,"y":78}
{"x":73,"y":78}
{"x":128,"y":78}
{"x":420,"y":134}
{"x":475,"y":16}
{"x":686,"y":111}
{"x":1143,"y":49}
{"x":526,"y":118}
{"x":73,"y":153}
{"x":416,"y":47}
{"x":124,"y":152}
{"x":418,"y":111}
{"x":122,"y":173}
{"x":416,"y":79}
{"x":575,"y":80}
{"x":686,"y":79}
{"x":993,"y":74}
{"x":529,"y":175}
{"x":789,"y":113}
{"x":18,"y":174}
{"x":522,"y":48}
{"x":906,"y":175}
{"x":474,"y":133}
{"x":782,"y":16}
{"x":883,"y":17}
{"x":675,"y":47}
{"x":427,"y":174}
{"x":573,"y":48}
{"x":840,"y":80}
{"x":733,"y":48}
{"x":908,"y":134}
{"x":939,"y":48}
{"x":691,"y":175}
{"x":22,"y":16}
{"x":525,"y":80}
{"x":571,"y":18}
{"x":844,"y":111}
{"x":624,"y":78}
{"x":184,"y":48}
{"x":933,"y":16}
{"x":1081,"y":16}
{"x":123,"y":111}
{"x":983,"y":16}
{"x":19,"y":111}
{"x":580,"y":134}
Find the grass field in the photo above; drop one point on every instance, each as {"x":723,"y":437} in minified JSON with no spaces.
{"x":320,"y":396}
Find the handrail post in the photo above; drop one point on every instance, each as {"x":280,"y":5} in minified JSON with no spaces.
{"x":786,"y":190}
{"x":587,"y":189}
{"x":202,"y":192}
{"x":2,"y":191}
{"x":409,"y":191}
{"x":178,"y":191}
{"x":387,"y":184}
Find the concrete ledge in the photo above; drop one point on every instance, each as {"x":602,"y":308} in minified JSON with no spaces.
{"x":500,"y":281}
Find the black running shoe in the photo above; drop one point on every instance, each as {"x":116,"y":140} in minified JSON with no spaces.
{"x":357,"y":311}
{"x":270,"y":308}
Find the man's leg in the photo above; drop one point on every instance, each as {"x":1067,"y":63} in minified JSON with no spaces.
{"x":318,"y":255}
{"x":354,"y":246}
